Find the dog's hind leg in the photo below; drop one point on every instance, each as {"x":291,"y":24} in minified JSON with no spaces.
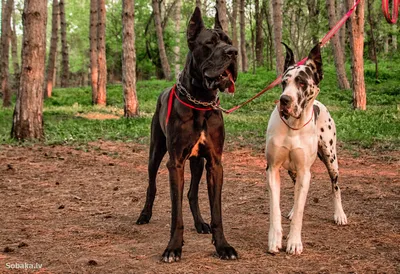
{"x":196,"y":168}
{"x":327,"y":154}
{"x":158,"y":148}
{"x":214,"y":185}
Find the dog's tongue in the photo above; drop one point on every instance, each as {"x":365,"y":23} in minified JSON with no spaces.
{"x":231,"y":88}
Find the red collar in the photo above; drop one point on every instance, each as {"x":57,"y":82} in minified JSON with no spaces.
{"x":283,"y":120}
{"x":173,"y":94}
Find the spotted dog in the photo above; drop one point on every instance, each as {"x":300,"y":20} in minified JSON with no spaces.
{"x":300,"y":128}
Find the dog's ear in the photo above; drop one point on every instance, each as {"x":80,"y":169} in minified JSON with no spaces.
{"x":196,"y":24}
{"x":289,"y":59}
{"x":314,"y":62}
{"x":217,"y":24}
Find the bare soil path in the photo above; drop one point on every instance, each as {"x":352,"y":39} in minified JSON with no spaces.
{"x":73,"y":210}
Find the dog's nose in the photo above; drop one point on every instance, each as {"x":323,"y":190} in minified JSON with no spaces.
{"x":231,"y":51}
{"x":285,"y":100}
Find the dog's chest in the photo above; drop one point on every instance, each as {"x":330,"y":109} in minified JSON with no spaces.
{"x":201,"y":141}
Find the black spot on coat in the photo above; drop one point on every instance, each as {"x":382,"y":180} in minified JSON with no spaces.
{"x":316,"y":113}
{"x":331,"y":142}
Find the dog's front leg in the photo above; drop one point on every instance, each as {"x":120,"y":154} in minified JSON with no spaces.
{"x":176,"y":177}
{"x":214,"y":185}
{"x":275,"y":223}
{"x":294,"y":245}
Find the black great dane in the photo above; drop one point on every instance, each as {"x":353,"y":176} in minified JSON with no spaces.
{"x":188,"y":124}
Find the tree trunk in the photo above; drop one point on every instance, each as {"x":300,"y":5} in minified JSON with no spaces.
{"x":5,"y":46}
{"x":268,"y":15}
{"x":394,"y":37}
{"x":356,"y":27}
{"x":235,"y":40}
{"x":277,"y":19}
{"x":3,"y":8}
{"x":94,"y":69}
{"x":313,"y":13}
{"x":221,"y":6}
{"x":64,"y":47}
{"x":28,"y":112}
{"x":198,"y":4}
{"x":160,"y":40}
{"x":14,"y":53}
{"x":243,"y":36}
{"x":101,"y":54}
{"x":177,"y":37}
{"x":386,"y":45}
{"x":131,"y":105}
{"x":259,"y":35}
{"x":341,"y":6}
{"x":51,"y":65}
{"x":253,"y":55}
{"x":204,"y":8}
{"x":337,"y":49}
{"x":372,"y":38}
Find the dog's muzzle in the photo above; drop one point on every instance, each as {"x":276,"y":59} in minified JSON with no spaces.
{"x":222,"y":78}
{"x":285,"y":105}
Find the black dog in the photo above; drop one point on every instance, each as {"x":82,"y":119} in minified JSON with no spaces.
{"x":188,"y":125}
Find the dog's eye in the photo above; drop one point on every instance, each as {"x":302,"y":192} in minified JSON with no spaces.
{"x":210,"y":43}
{"x":302,"y":84}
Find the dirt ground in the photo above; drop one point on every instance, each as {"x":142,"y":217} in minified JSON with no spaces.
{"x":73,"y":210}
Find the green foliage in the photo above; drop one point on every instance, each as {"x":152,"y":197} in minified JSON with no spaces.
{"x":65,"y":112}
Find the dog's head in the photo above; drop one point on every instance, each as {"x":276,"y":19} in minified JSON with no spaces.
{"x":213,"y":55}
{"x":300,"y":83}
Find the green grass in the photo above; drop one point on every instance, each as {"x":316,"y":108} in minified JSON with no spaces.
{"x":378,"y":126}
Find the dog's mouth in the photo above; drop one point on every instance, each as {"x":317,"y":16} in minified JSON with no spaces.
{"x":288,"y":111}
{"x":223,"y":80}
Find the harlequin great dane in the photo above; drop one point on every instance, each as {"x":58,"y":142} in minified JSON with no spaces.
{"x":188,"y":126}
{"x":299,"y":129}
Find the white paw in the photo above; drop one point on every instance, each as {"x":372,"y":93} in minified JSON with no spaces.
{"x":290,"y":215}
{"x":340,"y":218}
{"x":274,"y":241}
{"x":294,"y":246}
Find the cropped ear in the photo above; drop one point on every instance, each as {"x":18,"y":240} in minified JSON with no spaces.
{"x":314,"y":62}
{"x":217,"y":24}
{"x":196,"y":24}
{"x":289,"y":59}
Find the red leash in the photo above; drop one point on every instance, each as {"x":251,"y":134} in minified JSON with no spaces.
{"x":391,"y":19}
{"x":324,"y":40}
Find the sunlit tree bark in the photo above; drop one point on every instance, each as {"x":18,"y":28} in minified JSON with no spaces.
{"x":356,"y":27}
{"x":51,"y":64}
{"x":28,"y":112}
{"x":131,"y":105}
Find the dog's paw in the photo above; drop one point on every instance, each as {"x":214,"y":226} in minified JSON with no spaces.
{"x":294,"y":246}
{"x":274,"y":241}
{"x":340,"y":218}
{"x":227,"y":252}
{"x":203,"y":228}
{"x":143,"y":219}
{"x":172,"y":255}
